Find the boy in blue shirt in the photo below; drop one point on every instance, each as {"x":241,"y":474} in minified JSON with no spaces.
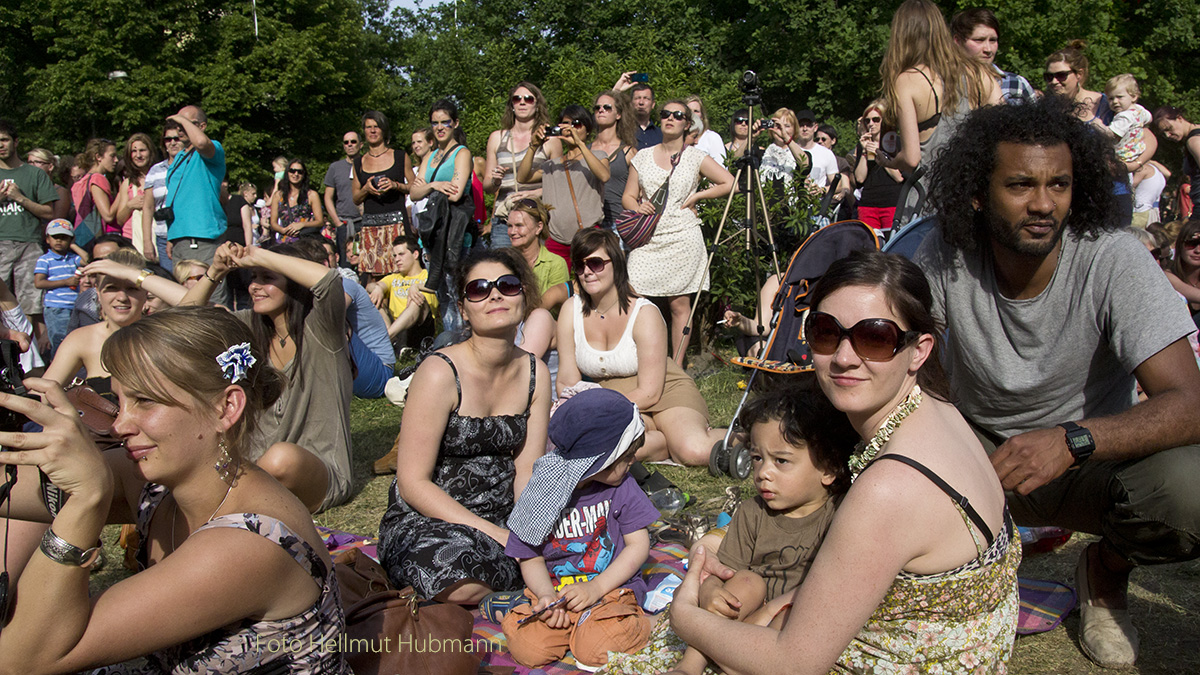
{"x":57,"y":273}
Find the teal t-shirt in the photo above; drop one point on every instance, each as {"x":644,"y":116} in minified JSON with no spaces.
{"x":193,"y":183}
{"x":17,"y":224}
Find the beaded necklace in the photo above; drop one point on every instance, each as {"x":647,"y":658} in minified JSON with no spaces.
{"x":864,"y":452}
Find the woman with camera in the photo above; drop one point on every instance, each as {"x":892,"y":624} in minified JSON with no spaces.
{"x":191,"y":389}
{"x":672,"y":264}
{"x":572,"y":177}
{"x":784,"y":155}
{"x":382,"y":177}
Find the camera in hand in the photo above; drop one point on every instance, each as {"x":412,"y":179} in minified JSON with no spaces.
{"x":555,"y":130}
{"x":640,"y":77}
{"x":11,"y":375}
{"x":166,"y":214}
{"x":769,"y":123}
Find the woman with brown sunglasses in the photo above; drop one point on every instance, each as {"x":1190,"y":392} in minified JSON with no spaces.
{"x":1067,"y":73}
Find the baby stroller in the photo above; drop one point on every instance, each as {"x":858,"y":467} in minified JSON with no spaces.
{"x":786,"y":350}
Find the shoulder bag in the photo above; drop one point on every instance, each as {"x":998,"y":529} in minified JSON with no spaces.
{"x":636,"y":228}
{"x":393,"y":631}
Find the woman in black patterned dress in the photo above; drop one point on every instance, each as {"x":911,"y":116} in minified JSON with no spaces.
{"x":474,"y":423}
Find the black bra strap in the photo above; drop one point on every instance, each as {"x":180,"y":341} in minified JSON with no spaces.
{"x":532,"y":382}
{"x":945,"y":487}
{"x":937,"y":104}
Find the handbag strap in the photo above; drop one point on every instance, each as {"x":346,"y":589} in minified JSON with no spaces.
{"x":665,"y":188}
{"x":571,"y":187}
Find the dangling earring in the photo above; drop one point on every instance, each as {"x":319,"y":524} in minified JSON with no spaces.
{"x":226,"y":467}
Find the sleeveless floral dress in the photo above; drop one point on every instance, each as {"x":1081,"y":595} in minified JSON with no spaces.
{"x":242,"y":647}
{"x":474,"y":466}
{"x":673,"y":261}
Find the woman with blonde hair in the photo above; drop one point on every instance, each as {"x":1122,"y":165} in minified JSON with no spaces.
{"x":48,"y":162}
{"x":929,"y":84}
{"x":784,"y":155}
{"x":192,"y":386}
{"x":525,"y":111}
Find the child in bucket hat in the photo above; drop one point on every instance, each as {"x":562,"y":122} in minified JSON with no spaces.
{"x":580,"y":533}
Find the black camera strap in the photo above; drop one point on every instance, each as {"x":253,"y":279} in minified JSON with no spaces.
{"x":179,"y":159}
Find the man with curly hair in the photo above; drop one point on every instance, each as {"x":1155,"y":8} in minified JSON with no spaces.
{"x":1054,"y":314}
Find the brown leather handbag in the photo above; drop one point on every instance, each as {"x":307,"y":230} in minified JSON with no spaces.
{"x":390,"y":631}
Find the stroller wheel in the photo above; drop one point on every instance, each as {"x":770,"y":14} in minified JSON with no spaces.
{"x":739,"y":460}
{"x":717,"y":459}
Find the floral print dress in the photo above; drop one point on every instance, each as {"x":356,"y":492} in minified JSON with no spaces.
{"x":475,"y":466}
{"x":245,"y":645}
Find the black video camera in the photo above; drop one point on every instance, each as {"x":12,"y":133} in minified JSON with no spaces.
{"x":166,"y":214}
{"x":749,"y":83}
{"x":11,"y":375}
{"x":768,"y":123}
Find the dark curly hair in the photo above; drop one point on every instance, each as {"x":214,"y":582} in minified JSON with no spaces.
{"x":807,"y":418}
{"x":963,"y":171}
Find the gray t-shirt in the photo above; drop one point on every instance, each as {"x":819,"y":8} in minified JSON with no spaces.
{"x":556,"y":192}
{"x":1067,"y":354}
{"x":340,"y":177}
{"x":314,"y":410}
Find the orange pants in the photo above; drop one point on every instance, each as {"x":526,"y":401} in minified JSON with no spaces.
{"x":616,"y":624}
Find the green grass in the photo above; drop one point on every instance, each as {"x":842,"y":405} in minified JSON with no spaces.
{"x":1165,"y":599}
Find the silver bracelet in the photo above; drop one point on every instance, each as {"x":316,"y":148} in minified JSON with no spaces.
{"x":64,"y":553}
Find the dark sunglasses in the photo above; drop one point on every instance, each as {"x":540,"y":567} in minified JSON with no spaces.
{"x":872,"y":339}
{"x":1192,"y":242}
{"x":874,"y":120}
{"x":173,"y":139}
{"x":1060,"y":76}
{"x":740,"y":120}
{"x":602,"y":106}
{"x":578,"y":124}
{"x":527,"y":203}
{"x":478,"y":290}
{"x":594,"y":264}
{"x":527,"y":99}
{"x":349,"y":142}
{"x":677,"y":114}
{"x":297,"y":171}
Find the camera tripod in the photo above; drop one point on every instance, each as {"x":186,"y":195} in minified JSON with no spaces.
{"x":730,"y":455}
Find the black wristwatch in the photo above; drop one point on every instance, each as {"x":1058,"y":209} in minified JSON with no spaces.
{"x":1079,"y":442}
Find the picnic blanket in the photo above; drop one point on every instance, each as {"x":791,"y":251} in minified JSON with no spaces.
{"x":1043,"y":603}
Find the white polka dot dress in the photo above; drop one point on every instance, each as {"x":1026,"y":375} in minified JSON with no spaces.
{"x":672,"y":262}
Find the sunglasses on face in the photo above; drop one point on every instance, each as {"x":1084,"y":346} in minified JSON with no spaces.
{"x":874,"y":120}
{"x":578,"y":124}
{"x":594,"y":264}
{"x":172,"y":139}
{"x":1059,"y":76}
{"x":678,"y":115}
{"x":478,"y":290}
{"x":523,"y":99}
{"x":349,"y":142}
{"x":740,"y":120}
{"x":602,"y":106}
{"x":822,"y":139}
{"x":298,"y":172}
{"x":871,"y":339}
{"x":1192,"y":242}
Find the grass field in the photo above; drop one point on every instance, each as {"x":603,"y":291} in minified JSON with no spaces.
{"x":1165,"y":600}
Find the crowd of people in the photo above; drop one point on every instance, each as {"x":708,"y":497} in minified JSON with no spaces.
{"x":1031,"y":365}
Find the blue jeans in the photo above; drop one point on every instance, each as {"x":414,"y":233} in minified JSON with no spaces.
{"x":500,"y":238}
{"x":373,"y":373}
{"x":164,"y":260}
{"x":56,"y":319}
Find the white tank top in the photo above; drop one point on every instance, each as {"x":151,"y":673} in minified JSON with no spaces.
{"x":621,"y":360}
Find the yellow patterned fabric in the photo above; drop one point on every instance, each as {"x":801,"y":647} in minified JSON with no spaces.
{"x":959,"y":622}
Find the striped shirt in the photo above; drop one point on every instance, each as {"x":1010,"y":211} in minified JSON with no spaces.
{"x":58,"y":266}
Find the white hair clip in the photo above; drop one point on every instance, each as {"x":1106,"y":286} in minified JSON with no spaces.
{"x":235,"y":361}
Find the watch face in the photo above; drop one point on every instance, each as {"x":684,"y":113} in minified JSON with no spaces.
{"x":1079,"y":442}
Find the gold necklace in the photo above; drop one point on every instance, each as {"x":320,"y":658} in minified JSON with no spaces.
{"x":864,"y":452}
